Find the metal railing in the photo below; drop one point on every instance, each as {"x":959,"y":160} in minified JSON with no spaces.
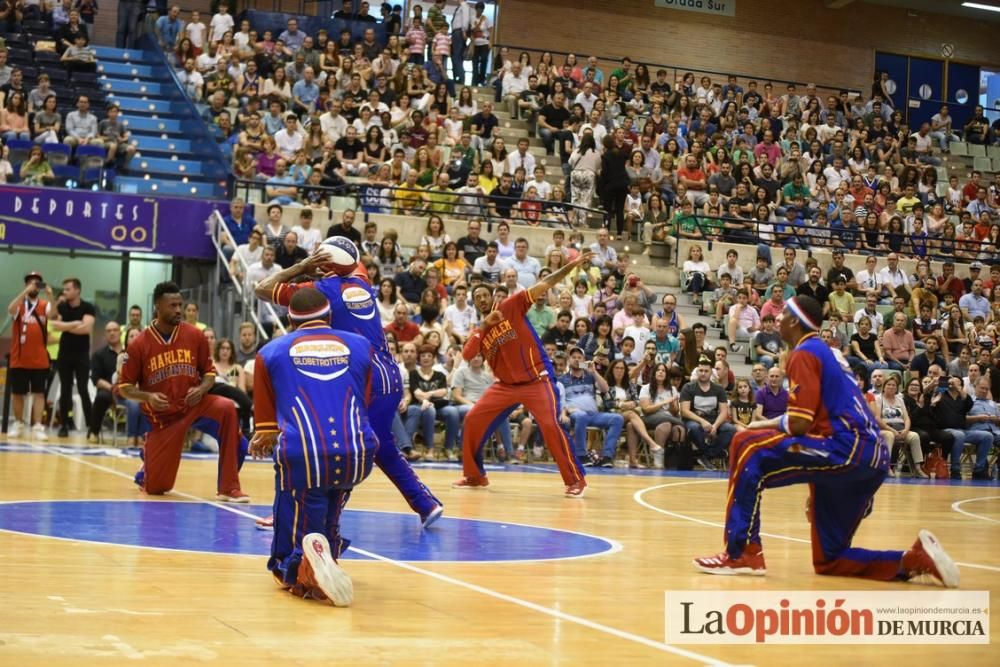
{"x":375,"y":198}
{"x":240,"y":288}
{"x":673,"y":71}
{"x":808,"y":237}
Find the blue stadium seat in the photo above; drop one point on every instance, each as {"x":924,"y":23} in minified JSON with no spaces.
{"x":91,"y":156}
{"x":65,"y":174}
{"x":19,"y":150}
{"x":57,"y":154}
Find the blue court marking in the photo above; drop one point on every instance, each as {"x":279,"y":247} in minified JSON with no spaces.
{"x":201,"y":527}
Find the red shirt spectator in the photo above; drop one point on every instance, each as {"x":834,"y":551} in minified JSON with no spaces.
{"x":401,"y":328}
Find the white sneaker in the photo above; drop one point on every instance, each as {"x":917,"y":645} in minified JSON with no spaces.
{"x":658,"y":458}
{"x":39,"y":432}
{"x":15,"y":429}
{"x":330,"y":577}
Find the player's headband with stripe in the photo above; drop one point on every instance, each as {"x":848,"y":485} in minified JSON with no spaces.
{"x":305,"y":316}
{"x":796,"y":310}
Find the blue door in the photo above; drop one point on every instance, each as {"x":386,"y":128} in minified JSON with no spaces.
{"x":896,"y":67}
{"x":962,"y":78}
{"x":924,"y":90}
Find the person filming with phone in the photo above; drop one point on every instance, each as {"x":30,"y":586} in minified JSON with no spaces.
{"x":29,"y":360}
{"x":582,"y":382}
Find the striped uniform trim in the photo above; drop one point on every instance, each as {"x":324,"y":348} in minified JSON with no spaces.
{"x":312,"y":440}
{"x":305,"y":316}
{"x":305,"y":447}
{"x":793,"y":305}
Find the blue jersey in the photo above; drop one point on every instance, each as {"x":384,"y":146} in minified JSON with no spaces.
{"x":833,"y":404}
{"x":312,"y":386}
{"x":353,"y":309}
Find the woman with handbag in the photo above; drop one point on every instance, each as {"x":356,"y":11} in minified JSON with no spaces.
{"x":659,"y":403}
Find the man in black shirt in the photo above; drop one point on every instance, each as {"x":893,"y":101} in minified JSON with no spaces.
{"x":950,"y":410}
{"x":482,"y":125}
{"x":838,"y":269}
{"x":552,"y":120}
{"x":103,"y":365}
{"x":930,"y":357}
{"x":471,"y":247}
{"x":502,"y":199}
{"x":290,"y":252}
{"x":346,"y":228}
{"x":76,"y":322}
{"x":560,"y":334}
{"x":812,"y":287}
{"x":411,"y":283}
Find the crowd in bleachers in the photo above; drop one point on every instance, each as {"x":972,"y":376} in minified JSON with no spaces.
{"x":54,"y":122}
{"x":697,"y":161}
{"x":668,"y":160}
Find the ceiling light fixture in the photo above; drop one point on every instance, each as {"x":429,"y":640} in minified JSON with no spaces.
{"x":977,"y":5}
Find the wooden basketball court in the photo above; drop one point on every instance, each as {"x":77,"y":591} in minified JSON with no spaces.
{"x":591,"y":592}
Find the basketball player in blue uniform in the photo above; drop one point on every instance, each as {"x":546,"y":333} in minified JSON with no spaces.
{"x":353,"y":309}
{"x":828,"y":439}
{"x":311,"y":393}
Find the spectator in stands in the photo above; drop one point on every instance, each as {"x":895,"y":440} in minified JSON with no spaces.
{"x":115,"y":138}
{"x":81,"y":125}
{"x":951,"y":409}
{"x":281,"y":188}
{"x":581,"y":383}
{"x":743,"y":322}
{"x":772,"y":398}
{"x":5,"y":69}
{"x":289,"y":140}
{"x":80,"y":57}
{"x":705,"y":411}
{"x":14,"y":119}
{"x":401,"y":327}
{"x":169,"y":27}
{"x":221,"y":23}
{"x":897,"y":344}
{"x":289,"y":252}
{"x":36,"y":170}
{"x":66,"y":36}
{"x":29,"y":360}
{"x":305,"y":93}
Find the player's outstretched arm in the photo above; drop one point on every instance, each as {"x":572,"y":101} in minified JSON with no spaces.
{"x":539,"y":289}
{"x":308,"y":267}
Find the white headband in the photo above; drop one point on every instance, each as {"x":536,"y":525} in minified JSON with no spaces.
{"x":800,"y":314}
{"x":312,"y":315}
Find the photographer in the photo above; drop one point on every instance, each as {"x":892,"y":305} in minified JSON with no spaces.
{"x":950,"y":408}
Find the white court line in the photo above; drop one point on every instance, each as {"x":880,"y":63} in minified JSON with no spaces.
{"x":637,"y":496}
{"x":554,"y":613}
{"x":957,"y":506}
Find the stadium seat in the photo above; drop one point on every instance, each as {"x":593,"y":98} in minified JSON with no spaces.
{"x":15,"y":39}
{"x":959,"y":148}
{"x":57,"y":154}
{"x":64,"y":173}
{"x":982,"y":163}
{"x":977,"y":150}
{"x":91,"y":156}
{"x":87,"y":78}
{"x":19,"y":150}
{"x":47,"y":58}
{"x":56,"y":74}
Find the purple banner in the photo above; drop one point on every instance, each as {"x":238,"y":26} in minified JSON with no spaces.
{"x":85,"y":220}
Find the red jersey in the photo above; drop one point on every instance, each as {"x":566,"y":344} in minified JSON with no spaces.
{"x":167,"y":366}
{"x":29,"y":336}
{"x":511,"y":347}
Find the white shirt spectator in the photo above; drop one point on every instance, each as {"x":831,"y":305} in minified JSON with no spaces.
{"x":515,"y":160}
{"x":490,"y":272}
{"x":640,"y":334}
{"x":462,"y":320}
{"x":196,"y":33}
{"x":309,"y":239}
{"x":289,"y":143}
{"x":586,"y":102}
{"x":527,"y":270}
{"x":735,"y":272}
{"x":599,"y":132}
{"x":543,"y":188}
{"x":834,"y":177}
{"x":334,"y":127}
{"x":876,"y":318}
{"x":220,"y":24}
{"x":81,"y":125}
{"x":869,"y":282}
{"x":514,"y":85}
{"x":887,"y":276}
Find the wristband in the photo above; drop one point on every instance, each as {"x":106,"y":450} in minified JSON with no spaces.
{"x":783,"y":423}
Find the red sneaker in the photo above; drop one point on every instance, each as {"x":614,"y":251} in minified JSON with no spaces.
{"x":576,"y":489}
{"x":234,"y":496}
{"x":264,"y":523}
{"x":927,"y":556}
{"x":327,"y":576}
{"x":471,"y":483}
{"x":751,"y":561}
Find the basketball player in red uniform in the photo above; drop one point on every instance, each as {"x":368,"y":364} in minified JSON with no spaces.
{"x":524,"y":375}
{"x":168,"y":370}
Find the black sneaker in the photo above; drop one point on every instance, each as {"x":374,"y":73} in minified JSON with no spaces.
{"x":605,"y":462}
{"x":956,"y":475}
{"x":63,"y":431}
{"x":592,"y":459}
{"x":981,"y":474}
{"x":733,"y":347}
